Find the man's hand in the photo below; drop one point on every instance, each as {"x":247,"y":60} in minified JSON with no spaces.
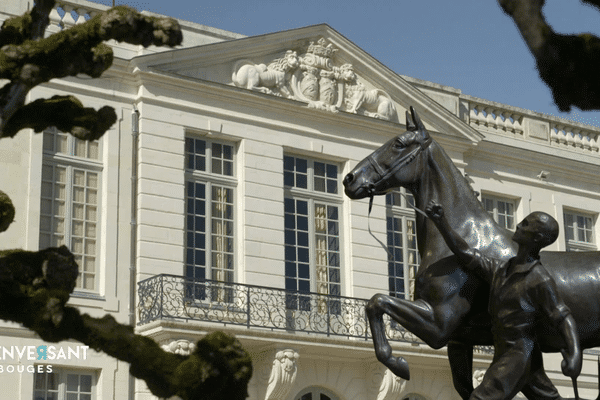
{"x":571,"y":363}
{"x":434,"y":211}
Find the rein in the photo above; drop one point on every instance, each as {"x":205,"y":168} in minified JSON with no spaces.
{"x":395,"y":167}
{"x":384,"y":176}
{"x":383,"y":245}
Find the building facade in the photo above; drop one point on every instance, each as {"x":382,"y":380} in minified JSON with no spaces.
{"x":216,"y":203}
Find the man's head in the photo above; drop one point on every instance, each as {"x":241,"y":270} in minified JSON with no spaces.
{"x":538,"y":229}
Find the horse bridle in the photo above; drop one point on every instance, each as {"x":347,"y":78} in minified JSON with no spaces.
{"x":396,"y":165}
{"x":384,"y":175}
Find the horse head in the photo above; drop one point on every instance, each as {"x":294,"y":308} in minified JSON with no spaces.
{"x":399,"y":162}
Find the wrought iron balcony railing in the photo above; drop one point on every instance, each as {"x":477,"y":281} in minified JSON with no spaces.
{"x":171,"y":297}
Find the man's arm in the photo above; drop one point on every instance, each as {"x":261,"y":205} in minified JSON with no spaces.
{"x":573,"y":359}
{"x":561,"y":317}
{"x":455,"y":242}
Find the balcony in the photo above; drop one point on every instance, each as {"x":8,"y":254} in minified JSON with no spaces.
{"x":171,"y":298}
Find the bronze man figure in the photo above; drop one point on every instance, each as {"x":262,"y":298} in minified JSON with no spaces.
{"x":521,"y":292}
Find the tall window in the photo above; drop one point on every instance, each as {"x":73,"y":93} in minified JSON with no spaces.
{"x":64,"y":385}
{"x":579,"y":231}
{"x":69,"y":209}
{"x":503,"y":210}
{"x":403,"y":259}
{"x":312,"y":229}
{"x":210,"y":199}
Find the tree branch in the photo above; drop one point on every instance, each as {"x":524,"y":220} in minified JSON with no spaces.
{"x":66,"y":113}
{"x":7,"y":211}
{"x":568,"y":64}
{"x":28,"y":60}
{"x":35,"y":286}
{"x":34,"y":289}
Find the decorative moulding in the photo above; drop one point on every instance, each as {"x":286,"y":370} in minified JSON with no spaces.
{"x":391,"y":386}
{"x":315,"y":78}
{"x":182,"y":347}
{"x":283,"y":375}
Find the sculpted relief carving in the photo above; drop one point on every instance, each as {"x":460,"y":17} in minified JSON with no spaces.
{"x":182,"y":347}
{"x":314,"y":79}
{"x":271,"y":79}
{"x":283,"y":374}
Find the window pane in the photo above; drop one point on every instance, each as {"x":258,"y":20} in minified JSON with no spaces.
{"x":72,"y":382}
{"x":48,"y":141}
{"x":93,"y":152}
{"x":61,"y":143}
{"x":39,"y":381}
{"x":195,"y":154}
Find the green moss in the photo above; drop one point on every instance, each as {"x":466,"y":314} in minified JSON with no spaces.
{"x":7,"y":211}
{"x":16,"y":30}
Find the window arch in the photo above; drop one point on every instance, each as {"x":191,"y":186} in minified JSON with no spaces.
{"x":413,"y":396}
{"x":316,"y":393}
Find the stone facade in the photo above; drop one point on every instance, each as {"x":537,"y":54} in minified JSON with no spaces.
{"x":191,"y":184}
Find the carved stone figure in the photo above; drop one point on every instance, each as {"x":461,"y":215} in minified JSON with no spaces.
{"x":182,"y":347}
{"x":391,"y":386}
{"x":309,"y":85}
{"x":450,"y":306}
{"x":478,"y":377}
{"x":374,"y":103}
{"x":283,"y":375}
{"x":313,"y":78}
{"x":271,"y":79}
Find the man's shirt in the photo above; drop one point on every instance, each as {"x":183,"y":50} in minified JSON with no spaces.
{"x":518,"y":293}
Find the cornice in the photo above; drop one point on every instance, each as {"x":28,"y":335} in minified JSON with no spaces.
{"x":527,"y":159}
{"x":434,"y":115}
{"x":537,"y":152}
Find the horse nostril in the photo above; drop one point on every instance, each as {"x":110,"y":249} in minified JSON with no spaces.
{"x":348,"y":179}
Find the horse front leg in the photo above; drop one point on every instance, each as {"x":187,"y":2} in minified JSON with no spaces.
{"x":383,"y":350}
{"x":460,"y":356}
{"x":433,"y":324}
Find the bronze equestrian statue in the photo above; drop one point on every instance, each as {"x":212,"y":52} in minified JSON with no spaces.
{"x":450,"y":306}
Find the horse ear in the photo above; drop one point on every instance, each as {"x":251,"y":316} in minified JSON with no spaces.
{"x":410,"y":124}
{"x":415,"y":117}
{"x":420,"y":127}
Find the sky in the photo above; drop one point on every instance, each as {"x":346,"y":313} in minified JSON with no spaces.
{"x":469,"y":45}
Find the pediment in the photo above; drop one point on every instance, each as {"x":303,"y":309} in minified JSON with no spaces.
{"x":315,"y":66}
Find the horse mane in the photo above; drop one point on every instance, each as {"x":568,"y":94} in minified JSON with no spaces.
{"x":444,"y":183}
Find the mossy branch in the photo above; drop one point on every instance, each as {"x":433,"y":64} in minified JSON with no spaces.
{"x":66,"y":113}
{"x":27,"y":59}
{"x":7,"y":211}
{"x":568,"y":64}
{"x":34,"y":289}
{"x":35,"y":286}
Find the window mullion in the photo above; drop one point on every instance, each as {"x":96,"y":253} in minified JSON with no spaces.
{"x":312,"y":245}
{"x":406,"y":266}
{"x":209,"y":224}
{"x":68,"y":225}
{"x":310,"y":177}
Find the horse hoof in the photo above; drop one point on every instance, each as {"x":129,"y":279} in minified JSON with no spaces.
{"x":399,"y":367}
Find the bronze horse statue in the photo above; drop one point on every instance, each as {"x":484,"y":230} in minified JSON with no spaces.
{"x":450,"y":306}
